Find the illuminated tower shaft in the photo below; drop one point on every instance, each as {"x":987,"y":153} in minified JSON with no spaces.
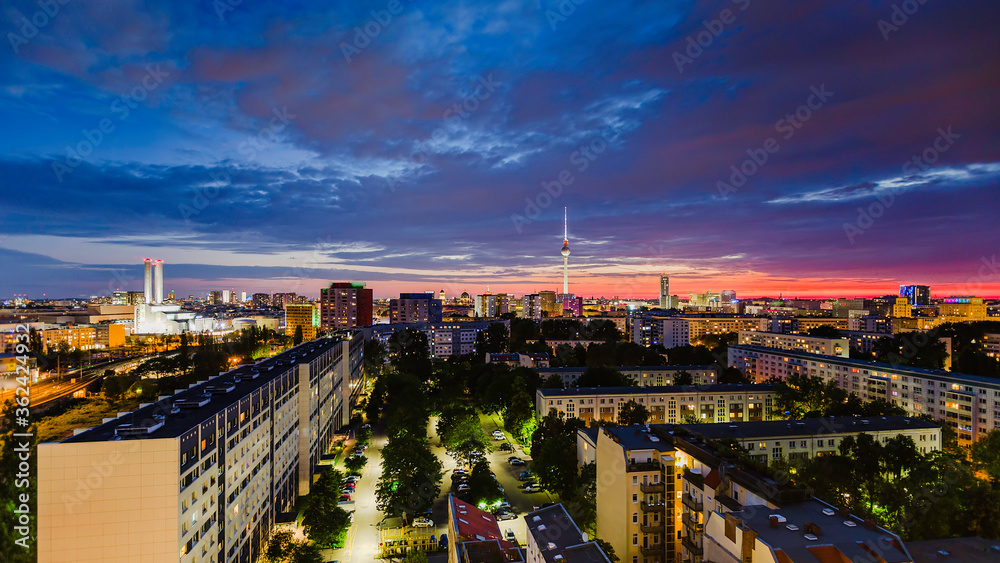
{"x":158,"y":282}
{"x":148,"y":281}
{"x":565,"y":254}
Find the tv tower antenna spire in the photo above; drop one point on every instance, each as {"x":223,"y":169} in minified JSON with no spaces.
{"x":565,"y":254}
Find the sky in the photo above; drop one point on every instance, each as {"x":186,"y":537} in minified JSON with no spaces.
{"x":798,"y":148}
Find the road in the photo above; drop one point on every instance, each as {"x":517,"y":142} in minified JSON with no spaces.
{"x":363,"y":538}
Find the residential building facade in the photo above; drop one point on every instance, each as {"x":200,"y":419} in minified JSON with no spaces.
{"x":345,"y":305}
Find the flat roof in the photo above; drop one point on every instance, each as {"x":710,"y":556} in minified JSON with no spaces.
{"x":558,"y":537}
{"x":174,"y":425}
{"x":659,"y":389}
{"x":848,"y":539}
{"x":940,"y":373}
{"x":806,"y":426}
{"x":631,"y":368}
{"x":637,"y":437}
{"x":956,"y":550}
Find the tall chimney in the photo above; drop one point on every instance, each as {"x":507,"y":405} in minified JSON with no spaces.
{"x":158,"y":281}
{"x":148,"y":280}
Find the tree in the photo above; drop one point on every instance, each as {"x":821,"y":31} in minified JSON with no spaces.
{"x":297,"y":339}
{"x":282,"y":547}
{"x":731,"y":375}
{"x":553,"y":451}
{"x":632,"y":413}
{"x":411,"y":476}
{"x":114,"y":386}
{"x":324,"y":521}
{"x":554,"y":381}
{"x":415,"y":556}
{"x":604,"y":330}
{"x":910,"y":350}
{"x":824,"y":331}
{"x":461,"y":431}
{"x":184,"y":353}
{"x":355,"y":464}
{"x":683,"y":378}
{"x":603,"y":377}
{"x":410,"y":353}
{"x":800,"y":396}
{"x":11,"y":487}
{"x":493,"y":340}
{"x":484,"y":490}
{"x":608,"y":550}
{"x":985,"y":454}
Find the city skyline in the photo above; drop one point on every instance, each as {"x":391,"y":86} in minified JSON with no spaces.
{"x":277,"y":148}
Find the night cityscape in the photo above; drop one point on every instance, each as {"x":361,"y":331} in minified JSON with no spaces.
{"x":500,"y":282}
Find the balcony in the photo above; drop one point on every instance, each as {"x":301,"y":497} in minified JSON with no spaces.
{"x":652,"y":528}
{"x":651,"y":487}
{"x":652,"y":506}
{"x":696,"y":479}
{"x":692,"y":548}
{"x":652,"y":550}
{"x":690,"y":502}
{"x":643,"y":466}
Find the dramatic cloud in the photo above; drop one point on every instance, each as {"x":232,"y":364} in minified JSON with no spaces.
{"x":800,"y":149}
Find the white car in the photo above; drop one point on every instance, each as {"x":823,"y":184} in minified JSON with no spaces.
{"x":422,"y":522}
{"x":498,"y":435}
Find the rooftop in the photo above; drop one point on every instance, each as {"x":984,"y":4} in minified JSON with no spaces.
{"x":807,"y":426}
{"x":558,"y":538}
{"x":955,"y":550}
{"x":660,"y":389}
{"x":638,"y":438}
{"x":631,"y":368}
{"x":938,"y":373}
{"x":206,"y":399}
{"x":827,"y":527}
{"x":474,"y":525}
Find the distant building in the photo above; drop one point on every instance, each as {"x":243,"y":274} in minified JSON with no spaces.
{"x":916,"y":295}
{"x":345,"y":305}
{"x":549,"y":303}
{"x":664,"y":291}
{"x":519,"y":360}
{"x":444,"y":339}
{"x":261,"y":300}
{"x":553,"y":537}
{"x":415,"y":308}
{"x":963,"y":308}
{"x":531,"y":307}
{"x":642,"y":376}
{"x":812,"y":344}
{"x":304,"y":315}
{"x":491,"y":305}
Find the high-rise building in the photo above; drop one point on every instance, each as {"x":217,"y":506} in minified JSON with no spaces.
{"x":492,"y":305}
{"x":531,"y":306}
{"x":215,"y":297}
{"x":204,"y":473}
{"x":565,"y":254}
{"x":305,"y":315}
{"x":664,"y":291}
{"x":917,"y":295}
{"x":442,"y":297}
{"x":415,"y":308}
{"x":345,"y":305}
{"x":261,"y":300}
{"x":550,"y":304}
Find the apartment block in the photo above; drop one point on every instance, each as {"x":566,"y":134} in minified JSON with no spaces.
{"x":201,"y":475}
{"x":644,"y":376}
{"x":667,"y":495}
{"x":302,"y":315}
{"x":970,"y":404}
{"x":443,"y":339}
{"x":667,"y":404}
{"x":812,"y":344}
{"x":345,"y":305}
{"x":636,"y":495}
{"x":415,"y":308}
{"x":815,"y":437}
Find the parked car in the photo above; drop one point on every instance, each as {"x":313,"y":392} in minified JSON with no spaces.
{"x":513,"y":461}
{"x":535,"y":488}
{"x":525,"y":475}
{"x":351,"y":480}
{"x":506,"y":447}
{"x":506,"y":515}
{"x":355,"y":476}
{"x":463,"y":488}
{"x":498,"y":435}
{"x":345,"y":498}
{"x":459,"y":470}
{"x":422,"y":522}
{"x":511,"y":537}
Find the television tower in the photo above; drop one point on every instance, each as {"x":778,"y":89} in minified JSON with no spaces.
{"x":565,"y":255}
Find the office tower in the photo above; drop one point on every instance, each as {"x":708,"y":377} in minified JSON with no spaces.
{"x":664,"y":291}
{"x":917,"y":295}
{"x":442,"y":297}
{"x":261,"y":300}
{"x":345,"y":305}
{"x":147,"y":280}
{"x":415,"y":308}
{"x":158,"y":282}
{"x":215,"y":297}
{"x":565,"y":255}
{"x":550,"y":304}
